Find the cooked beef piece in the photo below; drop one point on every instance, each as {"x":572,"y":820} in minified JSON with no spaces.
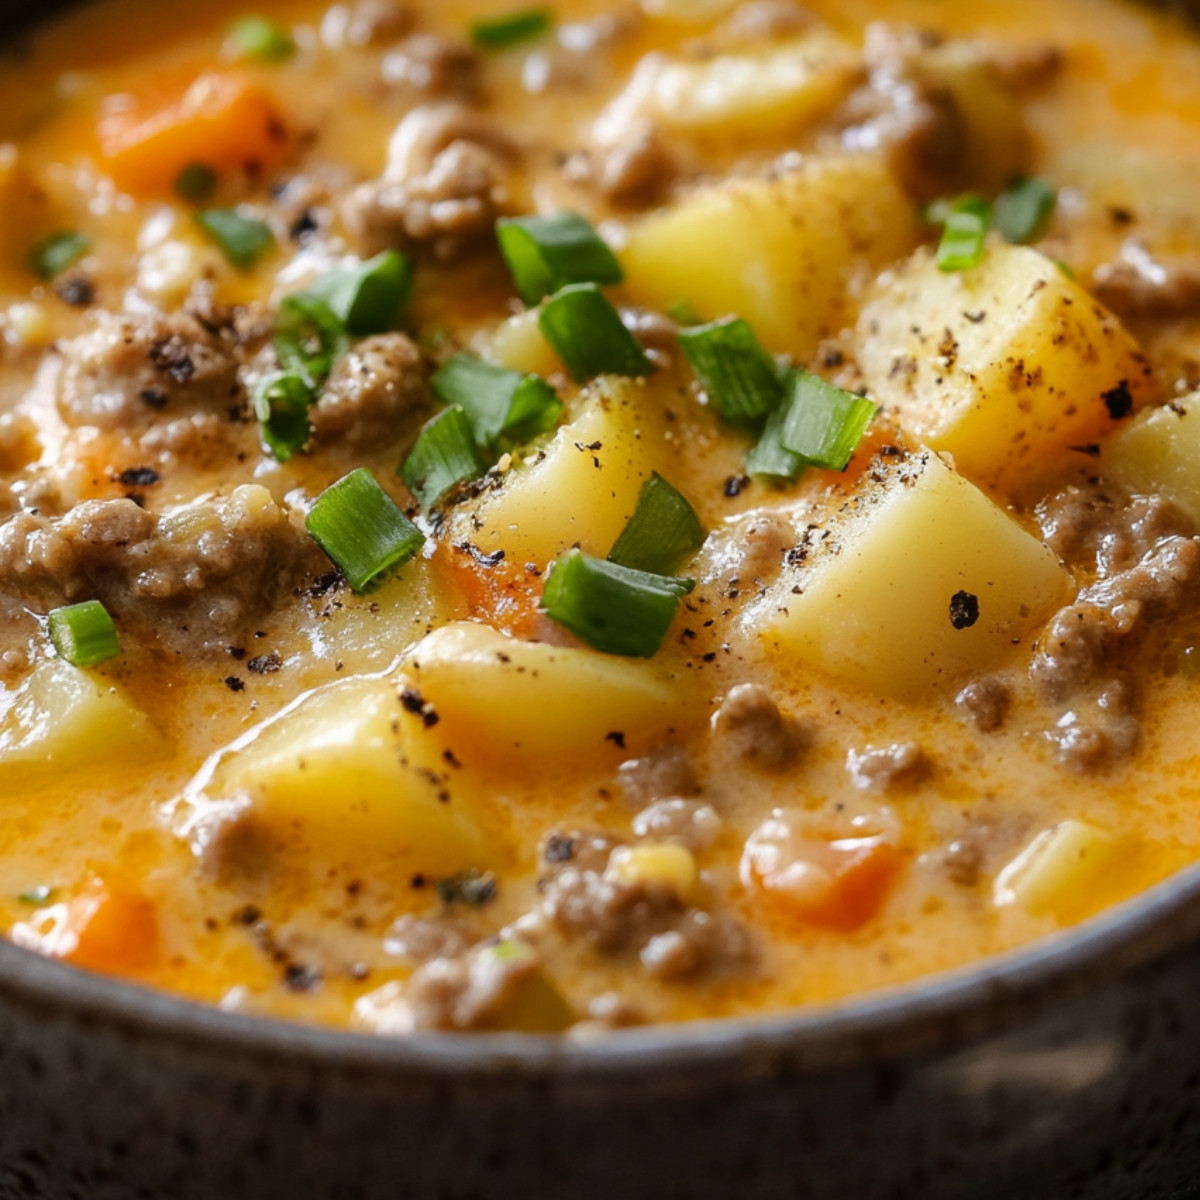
{"x":751,"y":726}
{"x":637,"y":169}
{"x":688,"y":822}
{"x":1136,"y":285}
{"x":464,"y":992}
{"x":375,"y":394}
{"x":886,"y":768}
{"x":190,"y":581}
{"x":667,"y":771}
{"x":421,"y":939}
{"x":431,"y":65}
{"x":1093,"y":735}
{"x":129,"y":366}
{"x":654,"y":331}
{"x":984,"y":702}
{"x":699,"y":942}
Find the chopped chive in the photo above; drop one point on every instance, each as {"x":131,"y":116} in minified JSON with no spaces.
{"x":1023,"y":208}
{"x":663,"y":532}
{"x":499,"y":403}
{"x":281,"y":402}
{"x":309,"y":337}
{"x":196,"y":183}
{"x":587,"y":333}
{"x":545,"y":254}
{"x":739,"y":377}
{"x":367,"y":298}
{"x":84,"y":634}
{"x":362,"y":530}
{"x":37,"y":895}
{"x":615,"y":609}
{"x":242,"y":239}
{"x":769,"y":458}
{"x":54,"y":254}
{"x":445,"y":455}
{"x":257,"y":39}
{"x":963,"y":234}
{"x":822,"y":423}
{"x":498,"y":33}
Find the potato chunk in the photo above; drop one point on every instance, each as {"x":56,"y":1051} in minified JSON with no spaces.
{"x":1006,"y":366}
{"x":344,"y":764}
{"x":1051,"y":875}
{"x":69,"y":718}
{"x":921,"y":579}
{"x":498,"y":700}
{"x":1159,"y":451}
{"x":781,"y":252}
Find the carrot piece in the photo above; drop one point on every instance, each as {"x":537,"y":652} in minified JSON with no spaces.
{"x":502,"y":593}
{"x":223,"y":121}
{"x":110,"y":927}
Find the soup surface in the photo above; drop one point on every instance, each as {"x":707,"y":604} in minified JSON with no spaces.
{"x":770,"y":576}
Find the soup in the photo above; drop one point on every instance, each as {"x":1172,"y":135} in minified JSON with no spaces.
{"x":553,"y":519}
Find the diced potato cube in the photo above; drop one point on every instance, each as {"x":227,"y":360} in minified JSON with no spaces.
{"x":1159,"y":451}
{"x":786,"y":85}
{"x":519,"y":345}
{"x":345,"y":765}
{"x":1050,"y":875}
{"x":921,"y":579}
{"x":666,"y":865}
{"x":1006,"y":366}
{"x":600,"y":460}
{"x":498,"y":700}
{"x":781,"y":252}
{"x":65,"y":718}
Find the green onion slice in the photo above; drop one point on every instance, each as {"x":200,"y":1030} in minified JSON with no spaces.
{"x":281,"y":402}
{"x":498,"y":33}
{"x":196,"y":183}
{"x":738,"y":375}
{"x":769,"y":458}
{"x":367,"y":298}
{"x":1023,"y":208}
{"x":445,"y":455}
{"x":547,"y":253}
{"x":615,"y":609}
{"x":84,"y":634}
{"x":500,"y":404}
{"x":309,"y":337}
{"x":362,"y":530}
{"x":963,"y":234}
{"x":53,"y":255}
{"x":587,"y":333}
{"x":822,"y":423}
{"x":257,"y":39}
{"x":663,"y":532}
{"x":242,"y":239}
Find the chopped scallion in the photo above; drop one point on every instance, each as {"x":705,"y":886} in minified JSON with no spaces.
{"x":54,"y":254}
{"x":257,"y":39}
{"x":739,"y":377}
{"x":196,"y":183}
{"x":362,"y":530}
{"x":445,"y":455}
{"x":84,"y":634}
{"x":769,"y":458}
{"x":498,"y":33}
{"x":367,"y":298}
{"x":1023,"y":208}
{"x":242,"y":239}
{"x":663,"y":532}
{"x":614,"y":609}
{"x":499,"y":403}
{"x":309,"y":337}
{"x":548,"y":253}
{"x":281,"y":402}
{"x":822,"y":423}
{"x":963,"y":234}
{"x":586,"y":332}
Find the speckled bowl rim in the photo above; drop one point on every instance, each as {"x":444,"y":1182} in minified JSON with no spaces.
{"x":963,"y":1005}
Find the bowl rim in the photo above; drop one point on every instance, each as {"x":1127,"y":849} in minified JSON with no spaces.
{"x":959,"y":1006}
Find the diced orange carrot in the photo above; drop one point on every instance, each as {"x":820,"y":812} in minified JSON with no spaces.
{"x":221,"y":120}
{"x":503,"y":594}
{"x":110,"y":927}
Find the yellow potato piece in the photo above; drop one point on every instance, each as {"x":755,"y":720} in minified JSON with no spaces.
{"x":519,"y":345}
{"x":345,"y":764}
{"x":70,"y":718}
{"x":782,"y":252}
{"x":1052,"y":874}
{"x":1159,"y":451}
{"x":1006,"y":365}
{"x":922,"y":579}
{"x":499,"y":700}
